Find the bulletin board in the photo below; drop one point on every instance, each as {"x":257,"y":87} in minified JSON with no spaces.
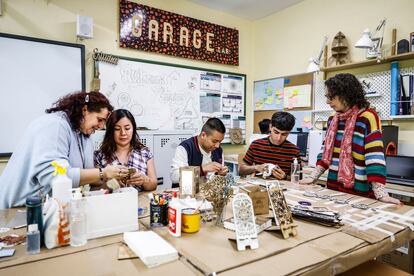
{"x":270,"y":96}
{"x":164,"y":96}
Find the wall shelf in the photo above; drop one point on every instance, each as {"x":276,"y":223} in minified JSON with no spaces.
{"x":405,"y":56}
{"x":402,"y":117}
{"x":373,"y":95}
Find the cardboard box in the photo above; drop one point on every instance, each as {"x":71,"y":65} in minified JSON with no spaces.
{"x":401,"y":258}
{"x":111,"y":214}
{"x":260,"y":199}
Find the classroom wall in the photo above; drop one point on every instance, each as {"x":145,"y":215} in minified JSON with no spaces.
{"x":56,"y":20}
{"x":285,"y":41}
{"x":277,"y":45}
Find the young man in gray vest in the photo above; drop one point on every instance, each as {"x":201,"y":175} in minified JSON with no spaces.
{"x":203,"y":150}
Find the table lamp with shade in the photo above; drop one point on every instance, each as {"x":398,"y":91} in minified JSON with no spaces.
{"x":315,"y":62}
{"x":372,"y":42}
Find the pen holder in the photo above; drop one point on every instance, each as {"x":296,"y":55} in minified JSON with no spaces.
{"x":158,"y":215}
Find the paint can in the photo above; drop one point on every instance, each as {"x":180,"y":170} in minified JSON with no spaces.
{"x":190,"y":220}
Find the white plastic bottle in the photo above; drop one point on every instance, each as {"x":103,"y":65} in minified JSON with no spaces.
{"x":295,"y":172}
{"x":78,"y":234}
{"x":61,"y":184}
{"x":174,"y":217}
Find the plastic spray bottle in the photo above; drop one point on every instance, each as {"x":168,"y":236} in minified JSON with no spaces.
{"x":61,"y":183}
{"x":295,"y":172}
{"x":174,"y":217}
{"x":78,"y":234}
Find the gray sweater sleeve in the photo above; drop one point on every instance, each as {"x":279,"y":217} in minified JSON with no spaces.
{"x":48,"y":138}
{"x":60,"y":147}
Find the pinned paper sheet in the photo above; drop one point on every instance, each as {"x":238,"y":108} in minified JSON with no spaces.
{"x":268,"y":94}
{"x":303,"y":120}
{"x":298,"y":96}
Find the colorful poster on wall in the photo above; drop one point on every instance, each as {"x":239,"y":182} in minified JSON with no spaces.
{"x":298,"y":96}
{"x":303,"y":120}
{"x":268,"y":94}
{"x":153,"y":30}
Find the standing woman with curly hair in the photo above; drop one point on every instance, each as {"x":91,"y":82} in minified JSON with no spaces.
{"x":63,"y":133}
{"x":353,"y":150}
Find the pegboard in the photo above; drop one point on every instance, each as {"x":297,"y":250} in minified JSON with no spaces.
{"x":381,"y":83}
{"x":320,"y":101}
{"x":409,"y":70}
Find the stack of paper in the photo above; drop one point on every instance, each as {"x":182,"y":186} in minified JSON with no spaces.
{"x":150,"y":248}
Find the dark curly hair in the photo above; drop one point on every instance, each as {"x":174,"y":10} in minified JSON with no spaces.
{"x":73,"y":103}
{"x":348,"y":88}
{"x":108,"y":146}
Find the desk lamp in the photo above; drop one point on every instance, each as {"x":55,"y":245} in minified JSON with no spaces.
{"x":314,"y":62}
{"x":372,"y":42}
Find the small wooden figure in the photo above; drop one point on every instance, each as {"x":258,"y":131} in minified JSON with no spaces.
{"x":218,"y":190}
{"x":339,"y":49}
{"x":281,"y":212}
{"x":246,"y":232}
{"x":236,"y":136}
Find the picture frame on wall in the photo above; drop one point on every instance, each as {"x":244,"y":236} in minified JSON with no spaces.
{"x":412,"y":42}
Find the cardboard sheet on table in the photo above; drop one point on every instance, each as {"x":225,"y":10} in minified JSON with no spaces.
{"x":210,"y":250}
{"x":97,"y":261}
{"x":383,"y":225}
{"x":124,"y":252}
{"x":20,"y":257}
{"x":357,"y":256}
{"x":304,"y":255}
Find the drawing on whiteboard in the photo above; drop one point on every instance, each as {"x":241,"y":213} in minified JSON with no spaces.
{"x":187,"y":117}
{"x":168,"y":98}
{"x":192,"y":83}
{"x":136,"y":109}
{"x":110,"y":90}
{"x":123,"y":100}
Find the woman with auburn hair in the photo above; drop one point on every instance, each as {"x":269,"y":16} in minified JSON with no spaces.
{"x":63,"y":133}
{"x":121,"y":146}
{"x":353,"y":151}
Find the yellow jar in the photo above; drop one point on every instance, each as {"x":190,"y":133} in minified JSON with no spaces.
{"x":190,"y":221}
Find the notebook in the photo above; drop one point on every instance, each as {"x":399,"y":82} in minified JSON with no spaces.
{"x":150,"y":248}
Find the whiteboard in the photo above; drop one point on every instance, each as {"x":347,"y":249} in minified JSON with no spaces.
{"x":34,"y":73}
{"x":171,"y":97}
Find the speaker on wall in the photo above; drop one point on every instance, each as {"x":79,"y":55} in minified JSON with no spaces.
{"x":390,"y":139}
{"x":84,"y":26}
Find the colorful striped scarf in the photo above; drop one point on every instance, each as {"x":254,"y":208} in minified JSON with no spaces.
{"x":346,"y":162}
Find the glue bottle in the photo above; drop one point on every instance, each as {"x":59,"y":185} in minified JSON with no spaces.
{"x":295,"y":172}
{"x":61,"y":184}
{"x":78,"y":234}
{"x":174,"y":217}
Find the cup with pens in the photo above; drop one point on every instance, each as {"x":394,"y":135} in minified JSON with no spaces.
{"x":159,"y":210}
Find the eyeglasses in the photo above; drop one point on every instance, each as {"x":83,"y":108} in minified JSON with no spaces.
{"x":329,"y":97}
